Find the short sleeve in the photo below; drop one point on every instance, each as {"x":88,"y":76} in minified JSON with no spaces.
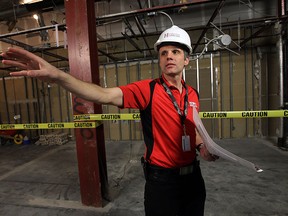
{"x":136,"y":95}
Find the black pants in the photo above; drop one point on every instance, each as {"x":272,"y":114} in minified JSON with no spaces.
{"x":175,"y":195}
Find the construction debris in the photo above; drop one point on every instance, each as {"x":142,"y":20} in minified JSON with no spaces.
{"x":54,"y":138}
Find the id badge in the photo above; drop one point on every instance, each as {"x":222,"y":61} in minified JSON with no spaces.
{"x":186,"y":143}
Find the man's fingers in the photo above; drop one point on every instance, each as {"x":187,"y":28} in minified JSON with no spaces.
{"x":19,"y":73}
{"x":15,"y":64}
{"x":14,"y":56}
{"x":20,"y":55}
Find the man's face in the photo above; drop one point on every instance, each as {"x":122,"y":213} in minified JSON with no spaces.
{"x":172,"y":60}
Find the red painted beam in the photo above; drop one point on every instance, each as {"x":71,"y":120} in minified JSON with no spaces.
{"x":83,"y":61}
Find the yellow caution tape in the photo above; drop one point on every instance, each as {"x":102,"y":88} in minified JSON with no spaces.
{"x":136,"y":116}
{"x":59,"y":125}
{"x":205,"y":115}
{"x":116,"y":116}
{"x":245,"y":114}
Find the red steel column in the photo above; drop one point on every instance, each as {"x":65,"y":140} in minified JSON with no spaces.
{"x":83,"y":61}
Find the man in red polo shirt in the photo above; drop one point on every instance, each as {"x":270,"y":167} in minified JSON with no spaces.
{"x":174,"y":184}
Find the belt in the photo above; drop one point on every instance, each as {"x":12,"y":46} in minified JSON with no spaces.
{"x":173,"y":171}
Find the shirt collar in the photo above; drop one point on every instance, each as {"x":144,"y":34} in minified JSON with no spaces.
{"x":170,"y":85}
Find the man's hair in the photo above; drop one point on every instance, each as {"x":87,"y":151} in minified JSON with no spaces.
{"x":186,"y":54}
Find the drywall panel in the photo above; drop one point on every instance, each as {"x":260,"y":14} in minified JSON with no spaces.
{"x":238,"y":94}
{"x":155,"y":69}
{"x":133,"y":73}
{"x":146,"y":71}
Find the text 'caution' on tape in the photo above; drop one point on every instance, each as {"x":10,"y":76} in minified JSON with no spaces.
{"x":94,"y":120}
{"x":229,"y":114}
{"x":60,"y":125}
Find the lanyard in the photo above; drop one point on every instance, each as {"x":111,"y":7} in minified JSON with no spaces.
{"x":168,"y":91}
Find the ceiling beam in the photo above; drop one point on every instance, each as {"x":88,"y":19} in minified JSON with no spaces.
{"x":255,"y":34}
{"x":32,"y":49}
{"x":131,"y":41}
{"x":107,"y":55}
{"x":216,"y":11}
{"x":103,"y":18}
{"x":143,"y":33}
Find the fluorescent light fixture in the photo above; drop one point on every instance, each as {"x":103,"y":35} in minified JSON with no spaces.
{"x":29,"y":1}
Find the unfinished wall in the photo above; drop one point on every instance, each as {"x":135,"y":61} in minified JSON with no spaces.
{"x":235,"y":83}
{"x":122,"y":74}
{"x":227,"y":82}
{"x":25,"y":100}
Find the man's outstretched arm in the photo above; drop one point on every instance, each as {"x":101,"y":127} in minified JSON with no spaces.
{"x":32,"y":65}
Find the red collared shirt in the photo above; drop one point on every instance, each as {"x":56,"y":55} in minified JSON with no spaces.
{"x":161,"y":123}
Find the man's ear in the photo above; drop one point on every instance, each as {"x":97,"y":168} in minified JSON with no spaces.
{"x":186,"y":61}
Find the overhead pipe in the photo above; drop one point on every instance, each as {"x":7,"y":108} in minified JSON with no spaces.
{"x":158,"y":8}
{"x":32,"y":30}
{"x":114,"y":59}
{"x":149,"y":10}
{"x":139,"y":3}
{"x":130,"y":27}
{"x":140,"y":26}
{"x":142,"y":32}
{"x":31,"y":48}
{"x":226,"y":25}
{"x":131,"y":42}
{"x":264,"y":28}
{"x":24,"y":10}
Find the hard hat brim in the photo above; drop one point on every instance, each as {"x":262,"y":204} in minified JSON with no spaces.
{"x":176,"y":44}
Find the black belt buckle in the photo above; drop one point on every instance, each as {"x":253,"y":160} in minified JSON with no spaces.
{"x":186,"y":170}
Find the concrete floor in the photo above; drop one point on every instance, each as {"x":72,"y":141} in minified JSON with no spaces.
{"x":43,"y":180}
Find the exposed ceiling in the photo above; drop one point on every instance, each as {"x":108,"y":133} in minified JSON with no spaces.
{"x":127,"y":30}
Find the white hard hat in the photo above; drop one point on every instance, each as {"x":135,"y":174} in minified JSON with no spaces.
{"x":174,"y":35}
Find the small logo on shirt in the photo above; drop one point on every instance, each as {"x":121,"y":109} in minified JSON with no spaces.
{"x":192,"y":104}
